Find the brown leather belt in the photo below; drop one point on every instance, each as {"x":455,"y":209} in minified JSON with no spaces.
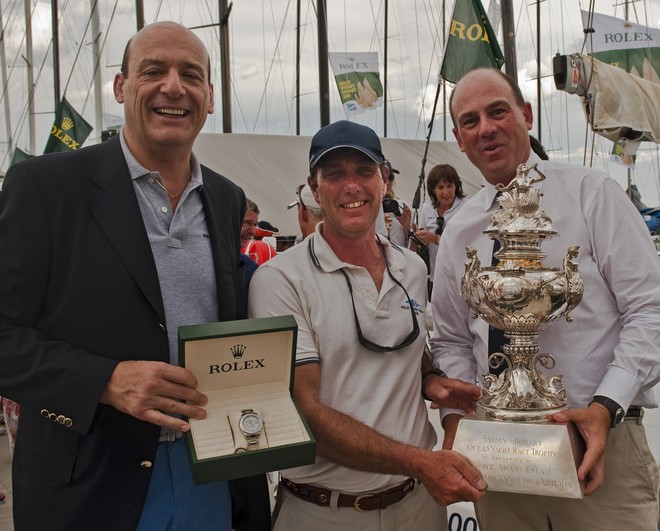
{"x":635,"y":412}
{"x":362,"y":502}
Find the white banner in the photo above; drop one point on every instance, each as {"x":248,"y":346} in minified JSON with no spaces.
{"x":611,"y":33}
{"x":627,"y":45}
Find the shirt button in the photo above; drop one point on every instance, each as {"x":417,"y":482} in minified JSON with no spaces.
{"x":163,"y":210}
{"x":151,"y":180}
{"x":146,"y":464}
{"x":368,"y":288}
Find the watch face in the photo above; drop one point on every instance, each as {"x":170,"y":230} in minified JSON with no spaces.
{"x":251,"y":424}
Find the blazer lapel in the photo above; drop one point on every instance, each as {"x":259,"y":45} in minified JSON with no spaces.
{"x":224,"y":246}
{"x":114,"y":205}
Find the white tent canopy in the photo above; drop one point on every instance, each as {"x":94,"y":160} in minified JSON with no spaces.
{"x":269,"y":168}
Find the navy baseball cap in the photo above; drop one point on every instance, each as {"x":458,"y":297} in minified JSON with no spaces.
{"x":345,"y":134}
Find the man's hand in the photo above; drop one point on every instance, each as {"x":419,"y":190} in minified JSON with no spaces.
{"x":153,"y":391}
{"x":450,"y":477}
{"x":593,"y":422}
{"x":451,"y":393}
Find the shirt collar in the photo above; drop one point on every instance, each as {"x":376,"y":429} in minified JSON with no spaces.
{"x":136,"y":170}
{"x":324,"y":257}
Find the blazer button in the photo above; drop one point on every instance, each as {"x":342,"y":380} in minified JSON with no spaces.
{"x":68,"y":422}
{"x":162,"y":328}
{"x":53,"y":417}
{"x":146,"y":464}
{"x":45,"y":413}
{"x":60,"y":419}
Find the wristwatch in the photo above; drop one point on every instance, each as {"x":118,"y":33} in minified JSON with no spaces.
{"x":617,"y":414}
{"x":251,"y":425}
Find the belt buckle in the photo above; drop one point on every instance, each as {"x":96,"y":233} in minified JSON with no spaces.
{"x":358,"y":499}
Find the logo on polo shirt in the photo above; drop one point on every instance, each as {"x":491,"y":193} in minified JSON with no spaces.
{"x":417,"y":308}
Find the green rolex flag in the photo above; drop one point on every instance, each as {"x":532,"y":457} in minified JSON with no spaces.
{"x":19,"y":155}
{"x":471,"y":42}
{"x":69,"y":130}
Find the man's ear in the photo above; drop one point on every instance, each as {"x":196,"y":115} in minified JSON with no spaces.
{"x":313,"y":185}
{"x":457,"y":136}
{"x":118,"y":88}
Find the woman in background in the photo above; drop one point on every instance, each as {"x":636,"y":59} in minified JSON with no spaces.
{"x":445,"y":198}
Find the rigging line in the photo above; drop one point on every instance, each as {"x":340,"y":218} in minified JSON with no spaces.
{"x":80,"y":45}
{"x":565,"y":95}
{"x":98,"y":59}
{"x":431,"y":71}
{"x":433,"y":66}
{"x":157,"y":12}
{"x":287,"y":102}
{"x":270,"y":67}
{"x":424,"y":81}
{"x":23,"y":115}
{"x":8,"y":24}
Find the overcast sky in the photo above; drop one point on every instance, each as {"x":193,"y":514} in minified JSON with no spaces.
{"x":262,"y":49}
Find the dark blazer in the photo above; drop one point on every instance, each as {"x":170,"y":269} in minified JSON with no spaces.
{"x":78,"y":294}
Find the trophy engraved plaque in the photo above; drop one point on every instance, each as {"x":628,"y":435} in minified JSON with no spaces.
{"x":509,"y":437}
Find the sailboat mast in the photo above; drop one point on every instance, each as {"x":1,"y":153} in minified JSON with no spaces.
{"x":386,"y":21}
{"x":139,"y":14}
{"x":298,"y":68}
{"x":30,"y":74}
{"x":324,"y":81}
{"x":509,"y":35}
{"x":55,"y":27}
{"x":96,"y":51}
{"x":538,"y":69}
{"x":5,"y":91}
{"x":224,"y":12}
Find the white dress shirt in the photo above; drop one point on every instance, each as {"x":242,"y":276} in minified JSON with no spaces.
{"x":612,"y":346}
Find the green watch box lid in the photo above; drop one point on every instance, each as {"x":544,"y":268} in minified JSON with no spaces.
{"x":241,"y":365}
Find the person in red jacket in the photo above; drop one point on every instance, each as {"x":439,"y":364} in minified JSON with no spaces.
{"x":252,"y":243}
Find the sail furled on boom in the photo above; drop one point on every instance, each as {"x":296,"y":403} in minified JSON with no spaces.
{"x":471,"y":42}
{"x":619,"y":82}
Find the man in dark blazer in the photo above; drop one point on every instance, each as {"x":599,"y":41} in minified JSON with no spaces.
{"x":93,"y":254}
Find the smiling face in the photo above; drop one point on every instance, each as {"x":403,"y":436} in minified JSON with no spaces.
{"x":165,"y":90}
{"x":491,"y":126}
{"x":349,"y":186}
{"x":445,"y":193}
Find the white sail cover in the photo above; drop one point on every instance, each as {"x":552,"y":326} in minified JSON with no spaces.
{"x":617,"y":104}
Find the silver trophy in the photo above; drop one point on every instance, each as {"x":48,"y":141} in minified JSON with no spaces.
{"x":509,"y":436}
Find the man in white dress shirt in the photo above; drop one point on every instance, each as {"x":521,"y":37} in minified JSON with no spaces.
{"x":609,"y":355}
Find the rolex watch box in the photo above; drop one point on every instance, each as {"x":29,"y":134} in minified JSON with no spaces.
{"x":246,"y":368}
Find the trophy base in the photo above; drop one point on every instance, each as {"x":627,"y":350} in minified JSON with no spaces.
{"x":523,"y":457}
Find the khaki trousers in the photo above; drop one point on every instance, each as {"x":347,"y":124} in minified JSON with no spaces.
{"x":627,"y":501}
{"x":416,"y":512}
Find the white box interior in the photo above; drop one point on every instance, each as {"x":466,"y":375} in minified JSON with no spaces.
{"x":259,"y":379}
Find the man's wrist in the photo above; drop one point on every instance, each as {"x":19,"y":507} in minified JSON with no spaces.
{"x":617,"y":414}
{"x":430,"y":372}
